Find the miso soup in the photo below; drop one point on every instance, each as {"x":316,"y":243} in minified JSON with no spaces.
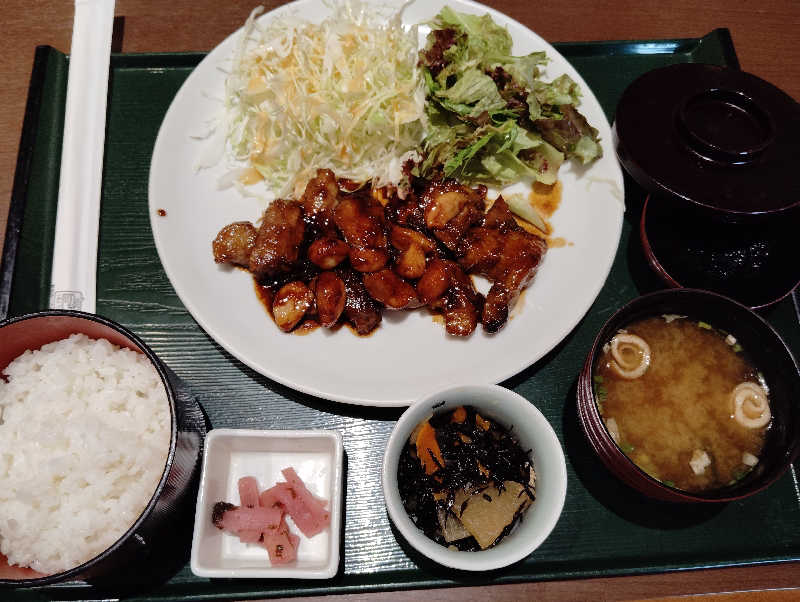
{"x":683,"y":401}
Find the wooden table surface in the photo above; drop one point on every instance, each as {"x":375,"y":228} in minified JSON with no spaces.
{"x":767,"y":40}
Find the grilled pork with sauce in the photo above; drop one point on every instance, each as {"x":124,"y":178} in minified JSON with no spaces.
{"x":340,"y":256}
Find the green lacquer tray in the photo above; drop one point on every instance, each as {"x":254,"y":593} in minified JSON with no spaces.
{"x":606,"y":529}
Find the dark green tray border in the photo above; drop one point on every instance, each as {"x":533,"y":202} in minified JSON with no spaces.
{"x":715,"y":48}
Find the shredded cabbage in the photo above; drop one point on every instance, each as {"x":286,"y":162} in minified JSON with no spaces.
{"x":344,"y":94}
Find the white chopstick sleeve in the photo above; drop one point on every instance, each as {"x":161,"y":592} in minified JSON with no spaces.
{"x":74,"y":275}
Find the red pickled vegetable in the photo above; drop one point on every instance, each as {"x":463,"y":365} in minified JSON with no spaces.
{"x":307,"y":512}
{"x":261,"y":518}
{"x":281,"y":544}
{"x":257,"y":519}
{"x":248,"y":492}
{"x":248,"y":496}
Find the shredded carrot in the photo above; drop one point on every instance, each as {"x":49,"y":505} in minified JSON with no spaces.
{"x":484,"y":424}
{"x":459,"y":414}
{"x":428,"y":448}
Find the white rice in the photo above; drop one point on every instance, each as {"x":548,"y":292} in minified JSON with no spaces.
{"x":84,"y":437}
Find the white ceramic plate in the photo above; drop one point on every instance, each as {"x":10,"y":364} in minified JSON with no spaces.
{"x":410,"y":354}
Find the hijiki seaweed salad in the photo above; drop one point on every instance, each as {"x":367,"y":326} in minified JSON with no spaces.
{"x":464,"y":479}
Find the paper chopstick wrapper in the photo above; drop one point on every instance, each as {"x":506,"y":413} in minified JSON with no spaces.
{"x":74,"y":277}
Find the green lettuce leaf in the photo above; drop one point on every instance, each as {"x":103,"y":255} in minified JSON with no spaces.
{"x":473,"y":93}
{"x":491,"y":118}
{"x":492,"y":154}
{"x":587,"y":149}
{"x":561,"y":91}
{"x":485,"y":34}
{"x":524,"y":69}
{"x":571,"y":134}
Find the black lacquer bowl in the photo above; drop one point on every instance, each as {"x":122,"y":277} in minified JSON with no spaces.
{"x":757,"y":263}
{"x":717,"y":149}
{"x":766,"y":349}
{"x":140,"y":551}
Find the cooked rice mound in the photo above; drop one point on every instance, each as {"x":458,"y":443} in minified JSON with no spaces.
{"x":84,"y":437}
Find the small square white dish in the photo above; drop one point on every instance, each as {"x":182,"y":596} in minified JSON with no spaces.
{"x":230,"y":454}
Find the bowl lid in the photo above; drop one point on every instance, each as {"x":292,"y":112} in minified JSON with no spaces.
{"x":715,"y":136}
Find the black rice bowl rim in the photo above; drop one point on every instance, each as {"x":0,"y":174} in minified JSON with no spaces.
{"x":160,"y":368}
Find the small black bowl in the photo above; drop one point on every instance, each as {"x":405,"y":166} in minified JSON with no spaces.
{"x":767,"y":350}
{"x":141,"y":545}
{"x":752,"y":263}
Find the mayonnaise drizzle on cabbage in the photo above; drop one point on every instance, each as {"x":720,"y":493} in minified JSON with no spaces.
{"x":344,"y":94}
